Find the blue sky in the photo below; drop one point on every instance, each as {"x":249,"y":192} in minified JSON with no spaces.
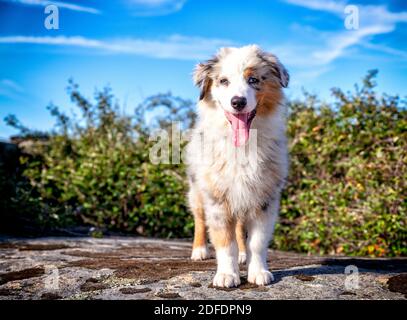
{"x":142,"y":47}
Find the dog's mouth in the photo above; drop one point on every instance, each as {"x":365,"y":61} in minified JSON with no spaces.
{"x":240,"y":123}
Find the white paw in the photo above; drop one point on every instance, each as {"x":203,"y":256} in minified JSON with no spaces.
{"x":242,"y":257}
{"x":261,"y":278}
{"x":226,"y":280}
{"x":199,"y":253}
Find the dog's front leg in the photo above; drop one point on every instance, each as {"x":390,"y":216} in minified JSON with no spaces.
{"x":223,"y":236}
{"x":260,"y":232}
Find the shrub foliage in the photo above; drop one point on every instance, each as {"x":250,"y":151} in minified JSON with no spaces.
{"x":347,"y":186}
{"x":345,"y":193}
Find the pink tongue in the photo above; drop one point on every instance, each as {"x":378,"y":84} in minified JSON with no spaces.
{"x":240,"y":127}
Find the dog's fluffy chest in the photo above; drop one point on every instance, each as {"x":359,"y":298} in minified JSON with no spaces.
{"x":242,"y":176}
{"x":235,"y":168}
{"x":247,"y":177}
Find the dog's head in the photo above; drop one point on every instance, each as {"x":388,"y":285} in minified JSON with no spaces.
{"x":243,"y":82}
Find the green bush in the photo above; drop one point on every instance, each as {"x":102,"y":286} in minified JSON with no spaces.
{"x":347,"y":185}
{"x":345,"y":194}
{"x":95,"y":169}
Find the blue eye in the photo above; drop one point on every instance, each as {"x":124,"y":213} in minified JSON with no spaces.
{"x":253,"y":80}
{"x":224,"y":81}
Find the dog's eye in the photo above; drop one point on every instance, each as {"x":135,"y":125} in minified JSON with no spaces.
{"x":253,"y":80}
{"x":224,"y":81}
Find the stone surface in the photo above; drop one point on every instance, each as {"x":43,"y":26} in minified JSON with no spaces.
{"x":139,"y":268}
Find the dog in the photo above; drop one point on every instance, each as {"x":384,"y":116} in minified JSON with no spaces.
{"x":236,"y":193}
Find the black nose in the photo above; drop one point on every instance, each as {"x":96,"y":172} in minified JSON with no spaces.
{"x":238,"y":103}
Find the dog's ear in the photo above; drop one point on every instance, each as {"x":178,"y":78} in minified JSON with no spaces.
{"x":202,"y":76}
{"x":276,"y":68}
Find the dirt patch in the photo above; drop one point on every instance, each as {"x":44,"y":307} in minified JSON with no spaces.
{"x":20,"y":275}
{"x":150,"y":271}
{"x":304,"y":277}
{"x":251,"y":286}
{"x":8,"y":292}
{"x":104,"y":262}
{"x":134,"y":263}
{"x":146,"y":281}
{"x":168,"y":295}
{"x":90,"y":254}
{"x":277,"y":259}
{"x":9,"y":245}
{"x":127,"y":263}
{"x":50,"y":296}
{"x":195,"y":284}
{"x":154,"y":251}
{"x":33,"y":247}
{"x":244,"y":285}
{"x":163,"y":269}
{"x":283,"y":260}
{"x":134,"y":290}
{"x":143,"y":251}
{"x":43,"y":247}
{"x":93,"y":284}
{"x":398,"y":284}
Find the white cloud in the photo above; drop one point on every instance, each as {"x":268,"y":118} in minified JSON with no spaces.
{"x":307,"y":75}
{"x":338,"y":43}
{"x":385,"y":49}
{"x":60,"y":4}
{"x":325,"y":47}
{"x":9,"y":88}
{"x":134,"y":7}
{"x":154,"y":7}
{"x":173,"y":47}
{"x":154,"y":3}
{"x":327,"y":5}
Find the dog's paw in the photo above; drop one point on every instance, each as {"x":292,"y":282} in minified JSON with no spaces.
{"x":226,"y":280}
{"x":199,"y":253}
{"x":242,"y":257}
{"x":261,"y":278}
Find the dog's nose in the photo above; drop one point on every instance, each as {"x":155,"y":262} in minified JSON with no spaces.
{"x":238,"y":103}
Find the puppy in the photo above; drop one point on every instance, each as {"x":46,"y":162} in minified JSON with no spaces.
{"x":237,"y":160}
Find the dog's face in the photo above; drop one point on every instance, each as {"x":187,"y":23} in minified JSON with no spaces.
{"x":243,"y":82}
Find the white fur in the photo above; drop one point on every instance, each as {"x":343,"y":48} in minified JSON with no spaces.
{"x":260,"y":233}
{"x":200,"y":253}
{"x":232,"y":68}
{"x":242,"y":257}
{"x":243,"y":165}
{"x":227,"y":274}
{"x":248,"y":175}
